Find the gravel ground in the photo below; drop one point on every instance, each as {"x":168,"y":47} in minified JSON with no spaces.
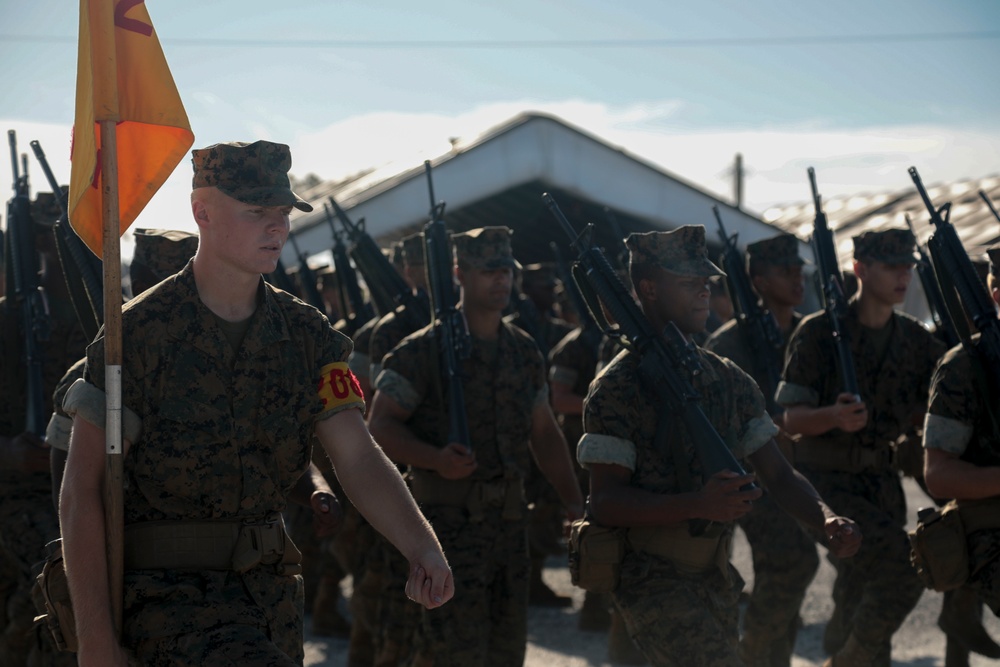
{"x":555,"y":641}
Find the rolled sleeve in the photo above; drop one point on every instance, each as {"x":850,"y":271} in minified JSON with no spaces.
{"x":948,"y":435}
{"x":88,"y":402}
{"x":759,"y":431}
{"x":57,"y":432}
{"x":398,"y":388}
{"x":789,"y":394}
{"x":605,"y":449}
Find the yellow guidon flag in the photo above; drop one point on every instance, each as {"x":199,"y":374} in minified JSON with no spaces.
{"x":123,"y":77}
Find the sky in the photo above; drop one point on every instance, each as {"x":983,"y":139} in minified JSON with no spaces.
{"x":858,"y":90}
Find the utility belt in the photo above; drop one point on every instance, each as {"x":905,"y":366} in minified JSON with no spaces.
{"x":596,"y":552}
{"x":842,"y":457}
{"x":939,"y":544}
{"x":237,"y":545}
{"x":475,"y":495}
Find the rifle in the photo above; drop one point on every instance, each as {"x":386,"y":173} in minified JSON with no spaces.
{"x":957,"y":275}
{"x":989,"y":203}
{"x":389,"y":289}
{"x":667,"y":358}
{"x":81,"y":268}
{"x":307,"y":279}
{"x":756,"y":325}
{"x":935,"y":300}
{"x":34,"y":323}
{"x":590,"y":332}
{"x":450,"y":329}
{"x":347,"y":280}
{"x":832,"y":283}
{"x":279,"y":278}
{"x":621,"y":251}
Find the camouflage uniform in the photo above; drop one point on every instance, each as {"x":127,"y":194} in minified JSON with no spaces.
{"x":784,"y":556}
{"x":27,"y":515}
{"x":852,"y":471}
{"x":957,"y":422}
{"x":483,"y":533}
{"x":675,"y":615}
{"x":394,"y":620}
{"x":220,"y":432}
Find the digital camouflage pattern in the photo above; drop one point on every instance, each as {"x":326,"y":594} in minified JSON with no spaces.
{"x":360,"y":362}
{"x":254,"y":173}
{"x":27,"y":515}
{"x":163,"y":252}
{"x":545,"y":329}
{"x":957,"y":422}
{"x":389,"y":332}
{"x":781,"y":250}
{"x":682,"y":251}
{"x":674,"y":618}
{"x":484,"y":248}
{"x":893,"y":367}
{"x":892,"y":246}
{"x":225,"y":435}
{"x":503,"y":382}
{"x":784,"y":556}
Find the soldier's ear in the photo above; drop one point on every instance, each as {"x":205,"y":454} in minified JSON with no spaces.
{"x":200,"y":212}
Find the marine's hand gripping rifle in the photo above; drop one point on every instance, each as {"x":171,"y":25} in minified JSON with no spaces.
{"x":756,"y":324}
{"x":956,"y":274}
{"x":666,"y":358}
{"x":831,"y":280}
{"x":450,"y":329}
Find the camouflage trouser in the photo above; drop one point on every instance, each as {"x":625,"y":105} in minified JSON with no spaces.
{"x":680,"y":619}
{"x":486,"y":622}
{"x":27,"y":522}
{"x":984,"y":561}
{"x":397,"y":617}
{"x":878,"y":582}
{"x":784,"y":564}
{"x":230,"y":645}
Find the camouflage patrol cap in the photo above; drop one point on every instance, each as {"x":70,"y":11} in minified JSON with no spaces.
{"x":892,"y":246}
{"x":163,"y":251}
{"x":254,"y":173}
{"x":413,"y":249}
{"x":681,"y":251}
{"x":484,"y":248}
{"x":45,"y":209}
{"x":543,"y":275}
{"x":781,"y":250}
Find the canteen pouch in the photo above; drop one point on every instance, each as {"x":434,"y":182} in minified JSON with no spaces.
{"x":595,"y":556}
{"x":939,"y":550}
{"x":51,"y":597}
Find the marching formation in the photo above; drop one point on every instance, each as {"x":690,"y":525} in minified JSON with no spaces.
{"x":437,"y":419}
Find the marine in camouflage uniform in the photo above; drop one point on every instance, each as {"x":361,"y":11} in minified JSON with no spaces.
{"x":784,"y":556}
{"x":393,"y":620}
{"x":962,"y":448}
{"x":27,"y":514}
{"x":534,"y":312}
{"x":474,"y":496}
{"x":846,"y":449}
{"x":678,"y":594}
{"x":221,"y":416}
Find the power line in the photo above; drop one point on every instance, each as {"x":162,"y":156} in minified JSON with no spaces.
{"x":458,"y":44}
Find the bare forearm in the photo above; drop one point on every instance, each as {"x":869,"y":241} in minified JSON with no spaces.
{"x":392,"y":511}
{"x":566,"y":402}
{"x":552,"y":457}
{"x":804,"y":420}
{"x":401,"y":446}
{"x":955,"y":478}
{"x":83,"y":531}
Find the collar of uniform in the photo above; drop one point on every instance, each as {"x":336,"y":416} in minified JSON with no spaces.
{"x":196,"y":324}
